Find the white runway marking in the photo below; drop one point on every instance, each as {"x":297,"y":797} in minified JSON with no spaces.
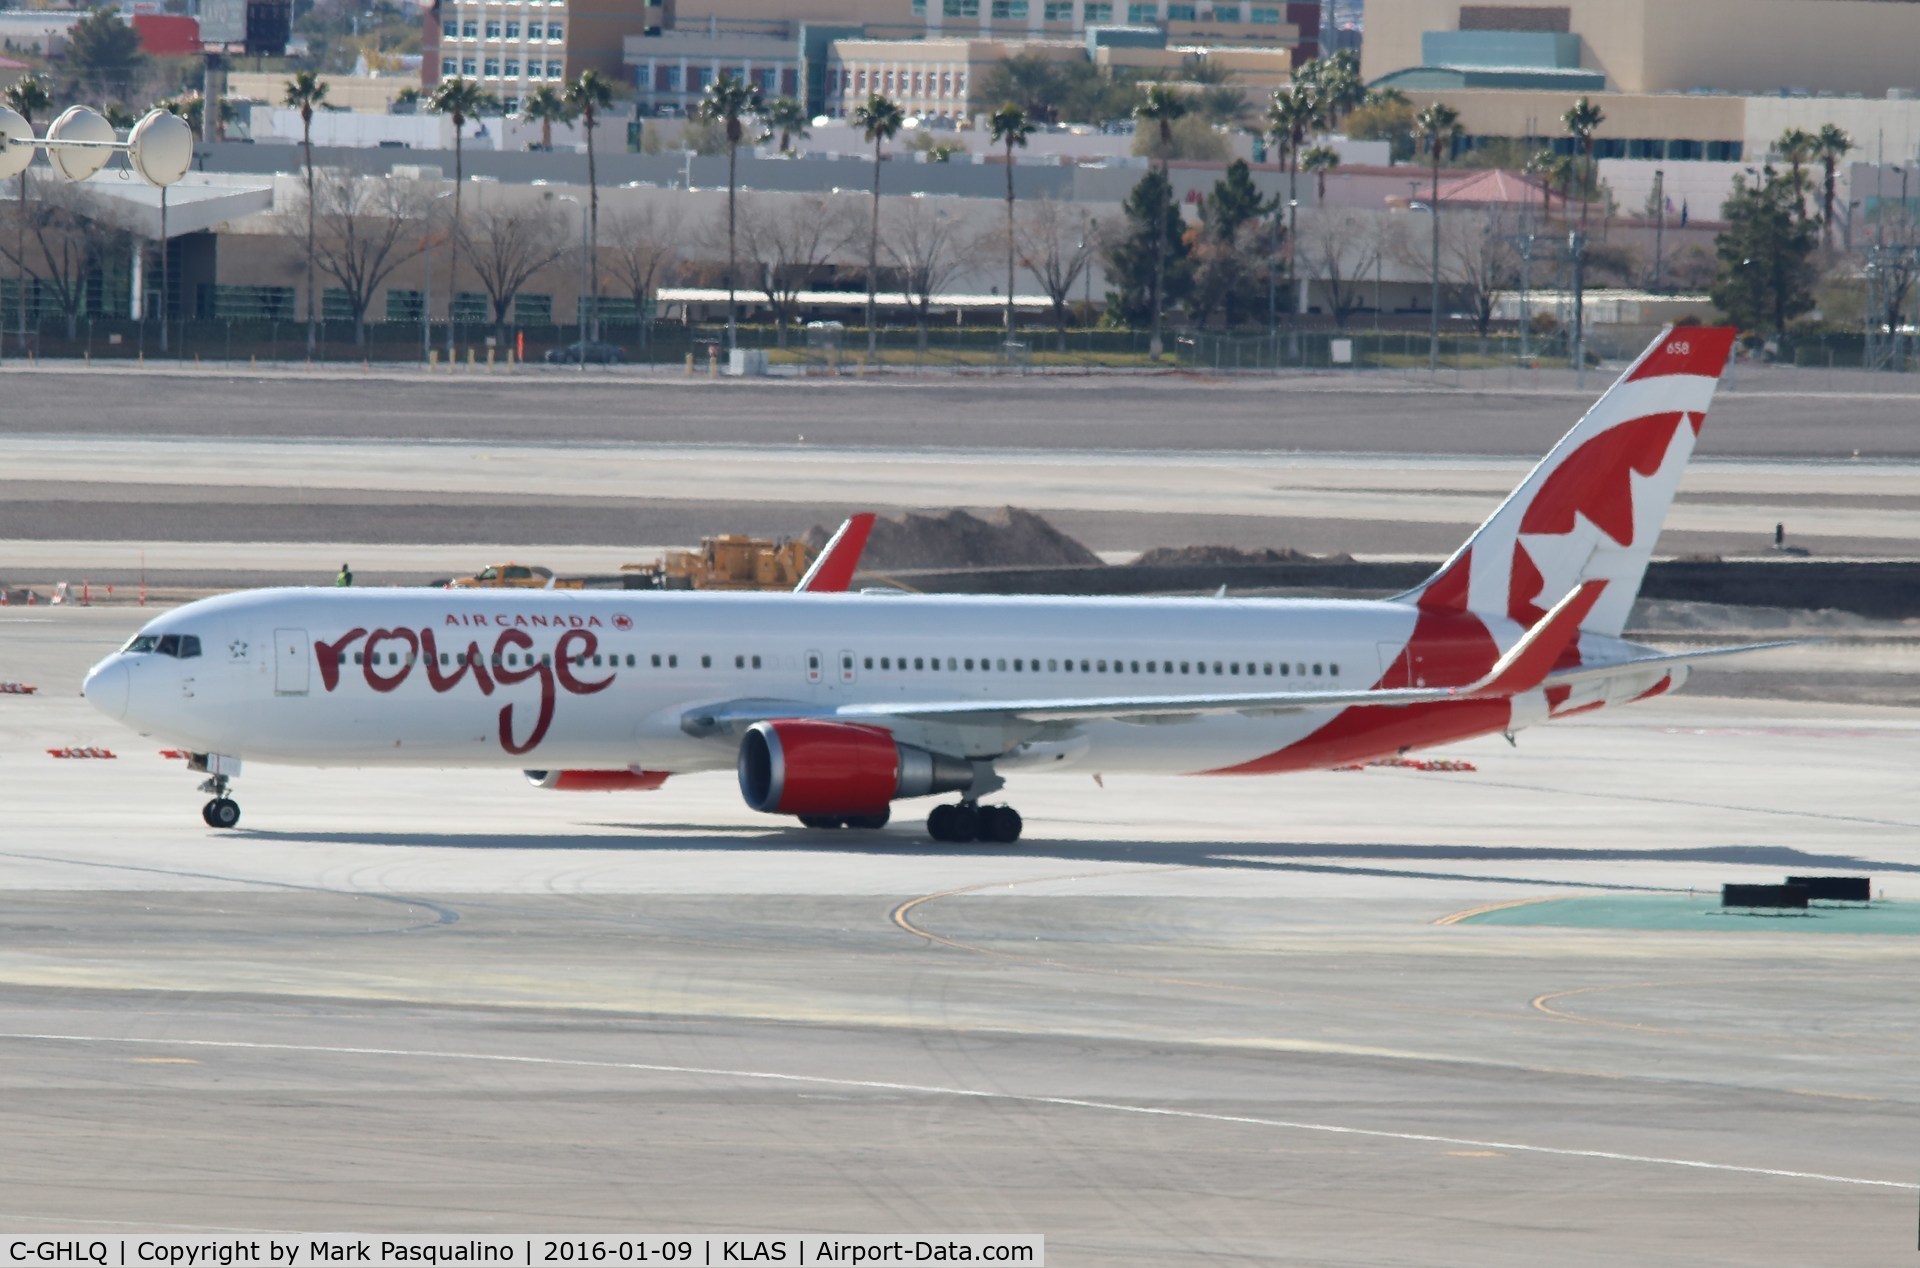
{"x":1064,"y":1102}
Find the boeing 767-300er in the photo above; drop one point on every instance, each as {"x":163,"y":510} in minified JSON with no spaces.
{"x":833,"y":706}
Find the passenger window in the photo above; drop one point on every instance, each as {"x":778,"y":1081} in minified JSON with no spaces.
{"x":706,"y":662}
{"x":1083,"y":667}
{"x":1300,"y":669}
{"x":596,"y":660}
{"x":1002,"y":666}
{"x":673,"y":660}
{"x":1100,"y":665}
{"x":886,"y":662}
{"x":1053,"y":667}
{"x":1183,"y":667}
{"x":756,"y":662}
{"x":1150,"y":666}
{"x":1334,"y":670}
{"x":1067,"y":666}
{"x":1136,"y":666}
{"x":869,"y":662}
{"x":739,"y":662}
{"x":546,"y":658}
{"x":919,"y":663}
{"x":543,"y":660}
{"x":1316,"y":671}
{"x":656,"y":660}
{"x":1283,"y":669}
{"x":1018,"y":664}
{"x":969,"y":662}
{"x":951,"y":663}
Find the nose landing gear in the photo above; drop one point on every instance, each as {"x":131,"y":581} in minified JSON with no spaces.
{"x":967,"y":821}
{"x":223,"y":811}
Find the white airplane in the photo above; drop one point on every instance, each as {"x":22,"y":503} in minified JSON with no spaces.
{"x":833,"y":706}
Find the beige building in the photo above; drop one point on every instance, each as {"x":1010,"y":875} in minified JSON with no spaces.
{"x":937,"y":78}
{"x":1235,"y":21}
{"x":1752,"y":47}
{"x":511,"y":47}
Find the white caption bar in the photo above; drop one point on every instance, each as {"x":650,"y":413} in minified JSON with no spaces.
{"x":286,"y":1250}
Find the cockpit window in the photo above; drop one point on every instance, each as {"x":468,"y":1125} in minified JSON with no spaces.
{"x":180,"y":646}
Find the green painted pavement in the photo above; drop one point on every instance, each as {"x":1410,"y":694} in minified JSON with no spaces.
{"x":1700,"y":913}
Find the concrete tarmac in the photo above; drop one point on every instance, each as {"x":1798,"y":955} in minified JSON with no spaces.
{"x":1179,"y":1022}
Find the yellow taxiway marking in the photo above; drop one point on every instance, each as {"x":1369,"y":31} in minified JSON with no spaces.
{"x":1471,"y":1153}
{"x":162,"y":1061}
{"x":1471,"y":912}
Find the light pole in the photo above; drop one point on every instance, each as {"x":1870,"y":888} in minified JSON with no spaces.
{"x":1294,"y":306}
{"x":581,"y":303}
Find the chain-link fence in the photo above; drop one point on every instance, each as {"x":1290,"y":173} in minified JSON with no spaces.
{"x":829,"y":348}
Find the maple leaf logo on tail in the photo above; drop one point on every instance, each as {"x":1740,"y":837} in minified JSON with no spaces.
{"x":1592,"y":509}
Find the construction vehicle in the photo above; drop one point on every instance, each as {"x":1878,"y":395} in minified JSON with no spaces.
{"x":728,"y":562}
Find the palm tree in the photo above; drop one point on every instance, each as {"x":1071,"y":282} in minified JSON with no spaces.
{"x":1342,"y":90}
{"x":1544,"y":164}
{"x":1439,"y":128}
{"x":1830,"y":147}
{"x":545,"y":107}
{"x":1010,"y":127}
{"x":880,"y":120}
{"x":28,"y":97}
{"x":462,"y":99}
{"x":1798,"y":147}
{"x":1162,"y":107}
{"x":730,"y":103}
{"x":1294,"y":113}
{"x":787,"y":119}
{"x":1581,"y":121}
{"x":304,"y":92}
{"x":589,"y":94}
{"x":1320,"y":160}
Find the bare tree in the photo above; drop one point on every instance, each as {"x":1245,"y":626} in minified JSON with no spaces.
{"x":1340,"y":249}
{"x":640,"y":248}
{"x":508,"y":245}
{"x":365,"y":227}
{"x":787,"y":240}
{"x":928,"y":246}
{"x":1478,"y":260}
{"x":1056,"y":243}
{"x":67,"y":235}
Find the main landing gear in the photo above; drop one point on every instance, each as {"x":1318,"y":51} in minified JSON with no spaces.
{"x":223,"y":811}
{"x":969,"y":822}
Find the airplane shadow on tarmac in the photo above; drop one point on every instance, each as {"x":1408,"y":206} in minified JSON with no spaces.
{"x":1338,"y":858}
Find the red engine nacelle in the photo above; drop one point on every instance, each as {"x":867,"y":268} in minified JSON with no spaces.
{"x":597,"y":780}
{"x":801,"y":767}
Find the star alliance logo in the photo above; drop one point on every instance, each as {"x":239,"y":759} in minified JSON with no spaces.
{"x":237,"y":649}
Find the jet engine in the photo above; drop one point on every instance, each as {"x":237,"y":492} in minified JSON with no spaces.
{"x":597,"y":780}
{"x":824,"y":769}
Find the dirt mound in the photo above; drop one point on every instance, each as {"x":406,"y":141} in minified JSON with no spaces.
{"x":1215,"y":556}
{"x":1009,"y":538}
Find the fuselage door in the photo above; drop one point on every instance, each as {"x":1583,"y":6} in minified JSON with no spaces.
{"x":1396,"y":669}
{"x":846,"y":667}
{"x":815,"y":670}
{"x":292,"y":666}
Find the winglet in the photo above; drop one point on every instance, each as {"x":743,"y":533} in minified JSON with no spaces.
{"x":833,"y":571}
{"x":1529,"y":661}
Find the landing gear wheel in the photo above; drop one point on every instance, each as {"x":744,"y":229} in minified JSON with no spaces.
{"x":1000,"y":824}
{"x":869,"y":823}
{"x":940,"y":823}
{"x":820,"y":821}
{"x":965,"y":825}
{"x":221,"y":812}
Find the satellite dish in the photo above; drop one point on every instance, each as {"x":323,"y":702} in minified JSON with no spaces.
{"x":14,"y":158}
{"x":160,"y":147}
{"x":79,"y":124}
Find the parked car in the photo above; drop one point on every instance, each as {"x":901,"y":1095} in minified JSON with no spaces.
{"x":590,"y":351}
